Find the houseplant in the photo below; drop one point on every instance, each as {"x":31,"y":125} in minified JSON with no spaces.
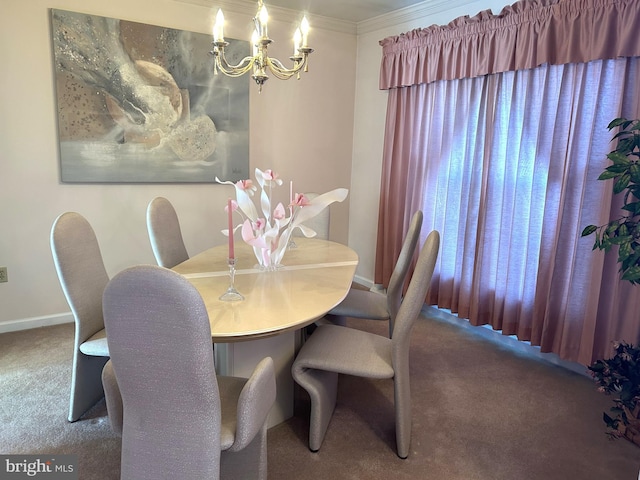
{"x":620,"y":375}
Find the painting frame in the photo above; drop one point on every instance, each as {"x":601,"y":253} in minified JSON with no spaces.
{"x":139,"y":103}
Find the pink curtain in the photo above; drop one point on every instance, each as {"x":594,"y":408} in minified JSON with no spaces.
{"x":505,"y":166}
{"x":525,"y":35}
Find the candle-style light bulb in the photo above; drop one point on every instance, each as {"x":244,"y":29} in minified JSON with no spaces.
{"x":218,"y":33}
{"x":297,"y":36}
{"x":254,"y":41}
{"x":263,"y":16}
{"x":304,"y":28}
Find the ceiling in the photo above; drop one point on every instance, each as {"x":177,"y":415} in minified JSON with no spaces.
{"x":350,"y":10}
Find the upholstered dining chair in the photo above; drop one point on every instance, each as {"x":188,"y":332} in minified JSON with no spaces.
{"x":176,"y":417}
{"x":333,"y":349}
{"x":376,"y":306}
{"x":83,"y":278}
{"x":319,"y":223}
{"x":165,"y":233}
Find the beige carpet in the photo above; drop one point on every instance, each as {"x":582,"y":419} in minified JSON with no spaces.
{"x":480,"y":411}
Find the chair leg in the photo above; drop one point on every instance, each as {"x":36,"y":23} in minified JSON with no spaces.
{"x":249,"y":463}
{"x":402,"y":401}
{"x":86,"y":383}
{"x":322,"y":387}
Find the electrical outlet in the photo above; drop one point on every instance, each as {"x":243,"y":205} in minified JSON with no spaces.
{"x":3,"y":275}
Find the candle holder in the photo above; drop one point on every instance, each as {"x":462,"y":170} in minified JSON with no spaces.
{"x":231,"y":295}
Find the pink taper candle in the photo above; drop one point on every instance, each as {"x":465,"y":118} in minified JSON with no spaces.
{"x":230,"y":210}
{"x":291,"y":198}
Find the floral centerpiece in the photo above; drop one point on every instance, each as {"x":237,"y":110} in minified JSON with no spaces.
{"x":620,"y":376}
{"x":268,"y":228}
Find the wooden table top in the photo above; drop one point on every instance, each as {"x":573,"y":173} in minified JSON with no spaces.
{"x":315,"y":277}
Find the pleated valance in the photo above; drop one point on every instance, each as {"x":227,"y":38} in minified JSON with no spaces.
{"x":524,"y":35}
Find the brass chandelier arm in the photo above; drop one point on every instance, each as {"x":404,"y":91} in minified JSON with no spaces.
{"x":281,"y":72}
{"x":221,"y":63}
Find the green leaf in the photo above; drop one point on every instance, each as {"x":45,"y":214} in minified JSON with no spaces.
{"x":632,"y":260}
{"x":622,"y":230}
{"x":618,"y":168}
{"x":618,"y":158}
{"x":624,"y":252}
{"x":620,"y":240}
{"x":618,"y":121}
{"x":607,"y":175}
{"x":588,"y":230}
{"x":633,"y":207}
{"x":621,"y":183}
{"x":632,"y":274}
{"x":611,"y":228}
{"x":626,"y":145}
{"x":597,"y":366}
{"x":620,"y":135}
{"x":597,"y":242}
{"x":611,"y":422}
{"x":635,"y":191}
{"x":626,"y":394}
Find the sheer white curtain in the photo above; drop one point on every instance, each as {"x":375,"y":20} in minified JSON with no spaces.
{"x":505,"y":166}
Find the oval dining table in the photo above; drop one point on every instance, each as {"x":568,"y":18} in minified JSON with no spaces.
{"x":314,"y":277}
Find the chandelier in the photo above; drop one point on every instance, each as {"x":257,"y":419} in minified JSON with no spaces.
{"x":260,"y":61}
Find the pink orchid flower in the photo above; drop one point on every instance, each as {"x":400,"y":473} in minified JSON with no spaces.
{"x":246,"y":185}
{"x":234,"y":206}
{"x":279,"y":213}
{"x":300,"y":200}
{"x":259,"y":224}
{"x":249,"y":236}
{"x":269,"y":174}
{"x":269,"y":177}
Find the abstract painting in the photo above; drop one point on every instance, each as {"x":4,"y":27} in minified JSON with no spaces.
{"x":138,"y":103}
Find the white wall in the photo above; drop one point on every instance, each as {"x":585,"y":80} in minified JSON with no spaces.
{"x":370,"y":111}
{"x":302,"y":129}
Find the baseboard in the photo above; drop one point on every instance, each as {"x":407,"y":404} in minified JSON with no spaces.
{"x":508,"y":341}
{"x":35,"y":322}
{"x":365,"y":282}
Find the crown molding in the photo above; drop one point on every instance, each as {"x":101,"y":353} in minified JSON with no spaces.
{"x":397,"y":17}
{"x":245,"y":7}
{"x":407,"y":14}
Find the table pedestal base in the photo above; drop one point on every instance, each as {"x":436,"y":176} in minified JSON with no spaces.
{"x":240,"y":358}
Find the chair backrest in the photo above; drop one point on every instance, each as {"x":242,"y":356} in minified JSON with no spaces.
{"x":78,"y":261}
{"x":413,"y":301}
{"x":399,"y":274}
{"x":320,"y":223}
{"x":162,"y":356}
{"x":165,"y":233}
